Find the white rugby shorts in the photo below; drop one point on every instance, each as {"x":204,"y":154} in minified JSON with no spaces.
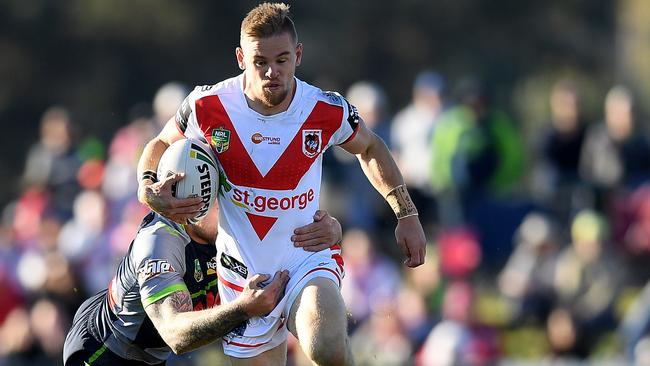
{"x":260,"y":334}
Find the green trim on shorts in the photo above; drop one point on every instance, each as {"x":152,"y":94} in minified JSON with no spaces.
{"x":163,"y":293}
{"x":95,"y":355}
{"x":210,"y":285}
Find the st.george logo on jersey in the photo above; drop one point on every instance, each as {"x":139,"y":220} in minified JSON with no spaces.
{"x":311,"y":142}
{"x":220,"y":139}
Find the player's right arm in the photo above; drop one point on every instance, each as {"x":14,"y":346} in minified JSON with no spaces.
{"x":157,"y":195}
{"x":185,"y":330}
{"x":381,"y":170}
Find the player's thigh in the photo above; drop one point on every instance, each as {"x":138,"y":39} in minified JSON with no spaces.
{"x":318,"y":314}
{"x":272,"y":357}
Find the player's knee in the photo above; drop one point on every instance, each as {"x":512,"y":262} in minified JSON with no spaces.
{"x":329,"y":357}
{"x":332,"y":350}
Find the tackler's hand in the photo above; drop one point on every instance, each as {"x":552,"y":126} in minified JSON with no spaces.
{"x":258,"y":299}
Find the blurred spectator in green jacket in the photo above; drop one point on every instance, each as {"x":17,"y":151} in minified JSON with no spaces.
{"x":476,"y":152}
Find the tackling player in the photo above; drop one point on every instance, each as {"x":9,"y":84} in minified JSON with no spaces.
{"x":164,"y":297}
{"x":269,"y":131}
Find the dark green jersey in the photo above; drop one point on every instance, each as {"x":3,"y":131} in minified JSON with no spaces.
{"x":162,"y":259}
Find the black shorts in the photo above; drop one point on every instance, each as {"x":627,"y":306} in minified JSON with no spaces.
{"x":96,"y":354}
{"x":81,"y":348}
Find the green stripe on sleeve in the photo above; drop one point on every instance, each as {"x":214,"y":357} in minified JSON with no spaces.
{"x":95,"y":355}
{"x":163,"y":293}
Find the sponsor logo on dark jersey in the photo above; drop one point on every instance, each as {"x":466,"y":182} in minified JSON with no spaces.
{"x":234,"y":265}
{"x":212,"y":266}
{"x":198,"y":274}
{"x":154,"y":267}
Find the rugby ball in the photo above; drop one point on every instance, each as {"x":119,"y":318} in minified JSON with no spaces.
{"x":194,"y":158}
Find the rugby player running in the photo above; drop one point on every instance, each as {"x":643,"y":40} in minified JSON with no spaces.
{"x":269,"y":130}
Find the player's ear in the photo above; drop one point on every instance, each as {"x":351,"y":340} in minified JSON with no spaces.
{"x":239,"y":53}
{"x":298,"y":53}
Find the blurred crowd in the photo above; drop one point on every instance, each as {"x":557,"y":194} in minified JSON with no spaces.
{"x":537,"y":246}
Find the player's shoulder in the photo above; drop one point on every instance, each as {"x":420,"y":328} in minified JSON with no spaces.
{"x":159,"y":237}
{"x":227,"y":86}
{"x":330,"y":97}
{"x":333,"y":99}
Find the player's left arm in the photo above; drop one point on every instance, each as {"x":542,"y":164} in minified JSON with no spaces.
{"x":382,"y":171}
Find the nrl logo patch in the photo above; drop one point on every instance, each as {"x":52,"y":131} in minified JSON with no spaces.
{"x":311,"y":142}
{"x":220,"y":139}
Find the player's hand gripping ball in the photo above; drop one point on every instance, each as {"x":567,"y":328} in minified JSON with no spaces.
{"x":196,"y":161}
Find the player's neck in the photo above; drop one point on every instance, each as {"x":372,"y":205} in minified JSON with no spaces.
{"x":196,"y":235}
{"x":260,"y":107}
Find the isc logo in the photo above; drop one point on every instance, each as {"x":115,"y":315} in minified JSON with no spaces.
{"x":154,"y":267}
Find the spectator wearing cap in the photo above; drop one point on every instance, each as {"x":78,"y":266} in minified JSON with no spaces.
{"x":587,"y":276}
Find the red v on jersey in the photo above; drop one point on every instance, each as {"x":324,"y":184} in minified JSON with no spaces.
{"x":292,"y":165}
{"x":261,"y":224}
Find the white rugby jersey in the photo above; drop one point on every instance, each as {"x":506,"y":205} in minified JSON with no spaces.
{"x":270,"y":167}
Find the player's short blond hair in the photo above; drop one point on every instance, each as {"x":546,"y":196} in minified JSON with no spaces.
{"x":267,"y":20}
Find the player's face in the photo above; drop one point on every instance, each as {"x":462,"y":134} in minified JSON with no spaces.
{"x":269,"y":64}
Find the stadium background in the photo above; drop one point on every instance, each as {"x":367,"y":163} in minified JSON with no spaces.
{"x":564,"y":284}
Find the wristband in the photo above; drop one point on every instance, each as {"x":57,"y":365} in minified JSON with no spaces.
{"x":149,"y":174}
{"x":401,"y":203}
